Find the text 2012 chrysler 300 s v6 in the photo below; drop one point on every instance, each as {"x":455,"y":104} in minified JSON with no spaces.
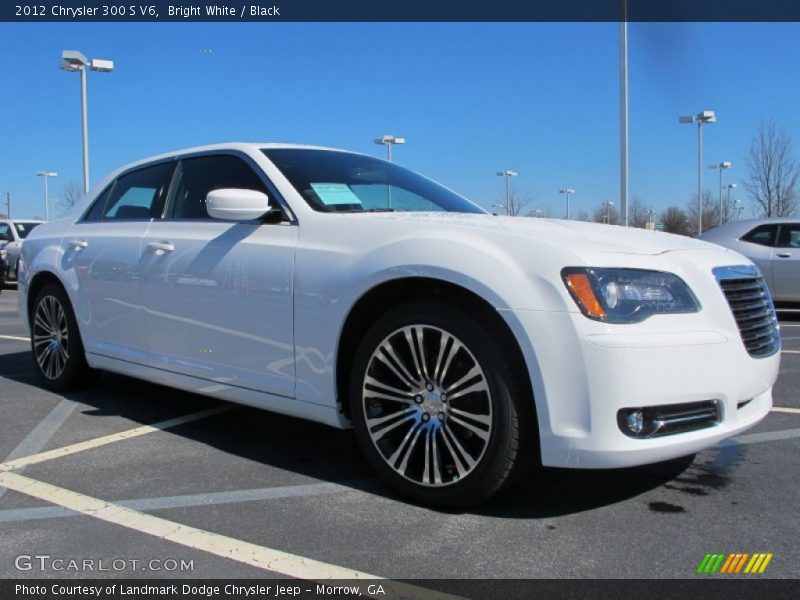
{"x":347,"y":290}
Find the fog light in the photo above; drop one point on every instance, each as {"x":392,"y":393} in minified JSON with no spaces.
{"x":635,"y":421}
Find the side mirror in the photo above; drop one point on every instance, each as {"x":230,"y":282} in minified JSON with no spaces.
{"x":237,"y":205}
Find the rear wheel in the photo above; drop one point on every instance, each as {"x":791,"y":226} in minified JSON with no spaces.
{"x":435,"y":406}
{"x":56,"y":343}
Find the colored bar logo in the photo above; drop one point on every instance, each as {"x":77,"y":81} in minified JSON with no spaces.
{"x":737,"y":562}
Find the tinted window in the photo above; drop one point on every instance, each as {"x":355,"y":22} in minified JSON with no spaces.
{"x":333,"y":181}
{"x":196,"y":177}
{"x":137,"y":195}
{"x":763,"y":234}
{"x":23,"y":229}
{"x":5,"y":233}
{"x":95,"y":213}
{"x":789,"y":236}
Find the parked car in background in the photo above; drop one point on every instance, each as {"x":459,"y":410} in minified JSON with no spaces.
{"x":12,"y":233}
{"x":773,"y":245}
{"x":345,"y":289}
{"x":3,"y":268}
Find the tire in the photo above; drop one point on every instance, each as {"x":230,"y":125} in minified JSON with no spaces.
{"x":58,"y":353}
{"x":449,"y":430}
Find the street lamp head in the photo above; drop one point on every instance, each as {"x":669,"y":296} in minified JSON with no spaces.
{"x":707,"y":116}
{"x":74,"y":58}
{"x":390,"y":139}
{"x":68,"y":66}
{"x":725,"y":164}
{"x":566,"y":191}
{"x":507,"y":173}
{"x":686,"y":119}
{"x":46,"y":174}
{"x":732,"y":186}
{"x":102,"y":66}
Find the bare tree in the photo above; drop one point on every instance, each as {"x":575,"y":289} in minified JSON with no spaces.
{"x":582,"y":216}
{"x":675,"y":220}
{"x":772,"y":172}
{"x":606,"y":214}
{"x":516,"y":202}
{"x":70,"y":195}
{"x":638,"y":212}
{"x":710,"y":212}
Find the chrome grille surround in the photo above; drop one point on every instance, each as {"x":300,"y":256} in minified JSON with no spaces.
{"x":750,"y":302}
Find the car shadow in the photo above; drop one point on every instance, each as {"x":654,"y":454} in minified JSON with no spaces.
{"x":332,"y":455}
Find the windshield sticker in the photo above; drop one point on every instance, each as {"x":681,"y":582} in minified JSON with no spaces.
{"x":335,"y":193}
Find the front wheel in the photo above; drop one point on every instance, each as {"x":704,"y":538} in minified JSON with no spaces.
{"x":436,"y":407}
{"x":56,"y":343}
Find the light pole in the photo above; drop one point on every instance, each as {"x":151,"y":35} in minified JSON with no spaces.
{"x":737,"y":207}
{"x":729,"y":187}
{"x":389,"y":140}
{"x":498,"y":206}
{"x":651,"y":214}
{"x":608,"y":204}
{"x":726,"y":164}
{"x":505,"y":175}
{"x":72,"y":60}
{"x":701,"y":118}
{"x":623,"y":111}
{"x":46,"y":175}
{"x":567,"y":192}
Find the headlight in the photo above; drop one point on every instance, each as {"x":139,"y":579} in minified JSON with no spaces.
{"x":627,"y":295}
{"x":3,"y":254}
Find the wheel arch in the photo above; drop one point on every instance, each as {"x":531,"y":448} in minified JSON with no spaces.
{"x":395,"y":292}
{"x":35,"y":285}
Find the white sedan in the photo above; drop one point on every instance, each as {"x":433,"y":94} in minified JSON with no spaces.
{"x":460,"y":346}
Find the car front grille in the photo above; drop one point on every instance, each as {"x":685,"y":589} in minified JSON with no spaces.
{"x":750,"y":302}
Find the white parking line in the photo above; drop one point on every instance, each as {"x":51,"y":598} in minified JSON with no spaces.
{"x":110,"y":439}
{"x":15,"y":338}
{"x":247,"y":553}
{"x":790,"y":351}
{"x":786,"y":409}
{"x":43,"y":431}
{"x":14,"y":515}
{"x":768,"y":436}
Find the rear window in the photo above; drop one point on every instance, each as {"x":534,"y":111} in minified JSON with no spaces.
{"x":23,"y":229}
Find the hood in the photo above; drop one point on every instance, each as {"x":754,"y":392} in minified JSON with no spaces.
{"x":574,"y":235}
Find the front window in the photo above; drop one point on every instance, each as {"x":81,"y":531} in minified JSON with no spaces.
{"x":23,"y":229}
{"x":332,"y":181}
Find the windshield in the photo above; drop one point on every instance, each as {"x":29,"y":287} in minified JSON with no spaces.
{"x":23,"y":229}
{"x":332,"y":181}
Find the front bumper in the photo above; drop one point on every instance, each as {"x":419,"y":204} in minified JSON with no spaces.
{"x":584,"y":372}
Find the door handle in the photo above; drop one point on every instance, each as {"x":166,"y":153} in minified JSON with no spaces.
{"x":784,"y":255}
{"x":160,"y":248}
{"x":78,"y":244}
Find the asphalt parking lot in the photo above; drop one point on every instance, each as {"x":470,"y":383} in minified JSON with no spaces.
{"x":251,"y":483}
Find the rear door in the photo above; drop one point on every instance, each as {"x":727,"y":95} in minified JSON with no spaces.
{"x":786,"y":263}
{"x":218,"y":294}
{"x":101,"y":261}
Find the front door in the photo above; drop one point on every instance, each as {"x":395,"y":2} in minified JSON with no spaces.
{"x":218,"y":294}
{"x":786,"y":263}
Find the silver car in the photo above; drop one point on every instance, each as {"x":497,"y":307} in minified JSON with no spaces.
{"x":773,"y":244}
{"x":12,"y":232}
